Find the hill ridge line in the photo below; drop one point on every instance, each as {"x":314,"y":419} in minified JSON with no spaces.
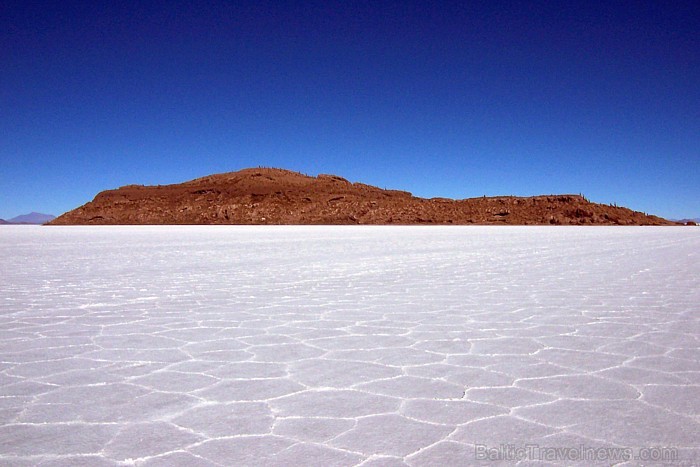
{"x":280,"y":196}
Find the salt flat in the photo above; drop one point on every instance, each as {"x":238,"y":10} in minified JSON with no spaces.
{"x":348,"y":345}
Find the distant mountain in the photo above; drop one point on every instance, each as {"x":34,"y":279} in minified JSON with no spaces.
{"x":685,"y":221}
{"x":3,"y":222}
{"x":276,"y":196}
{"x":32,"y":218}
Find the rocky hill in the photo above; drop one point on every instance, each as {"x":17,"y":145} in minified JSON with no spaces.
{"x":276,"y":196}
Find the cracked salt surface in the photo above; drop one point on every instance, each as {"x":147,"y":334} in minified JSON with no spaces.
{"x":345,"y":345}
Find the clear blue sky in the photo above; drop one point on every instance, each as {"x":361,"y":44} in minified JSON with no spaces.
{"x":457,"y":100}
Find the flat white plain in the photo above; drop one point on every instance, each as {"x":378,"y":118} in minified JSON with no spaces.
{"x":345,"y":345}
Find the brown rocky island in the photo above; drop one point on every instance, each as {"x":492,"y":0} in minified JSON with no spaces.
{"x":276,"y":196}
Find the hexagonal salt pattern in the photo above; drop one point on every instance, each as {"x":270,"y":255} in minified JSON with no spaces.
{"x":375,"y":346}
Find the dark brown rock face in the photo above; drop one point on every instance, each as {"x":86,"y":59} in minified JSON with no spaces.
{"x":276,"y":196}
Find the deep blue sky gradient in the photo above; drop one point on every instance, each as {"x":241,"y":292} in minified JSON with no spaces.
{"x":460,"y":100}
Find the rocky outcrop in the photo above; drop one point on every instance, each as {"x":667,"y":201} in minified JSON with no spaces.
{"x":276,"y":196}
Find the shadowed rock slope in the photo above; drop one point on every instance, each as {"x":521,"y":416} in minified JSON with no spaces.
{"x":276,"y":196}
